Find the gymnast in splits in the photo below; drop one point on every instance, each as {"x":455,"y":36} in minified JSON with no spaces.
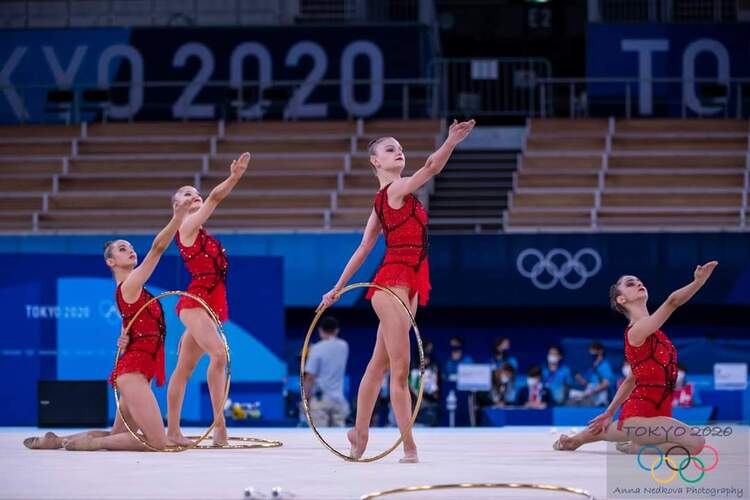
{"x":646,"y":393}
{"x":143,"y":351}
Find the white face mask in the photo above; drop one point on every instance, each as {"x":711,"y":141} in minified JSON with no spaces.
{"x":625,"y":370}
{"x":553,"y":359}
{"x":504,"y":378}
{"x":680,"y":377}
{"x":532,"y":381}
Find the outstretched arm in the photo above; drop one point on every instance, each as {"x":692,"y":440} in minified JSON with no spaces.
{"x":355,"y":262}
{"x":644,"y":327}
{"x":435,"y":162}
{"x":131,"y":287}
{"x":192,"y":223}
{"x":599,"y":423}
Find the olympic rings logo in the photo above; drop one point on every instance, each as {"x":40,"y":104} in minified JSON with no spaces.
{"x":560,"y":267}
{"x":678,"y":469}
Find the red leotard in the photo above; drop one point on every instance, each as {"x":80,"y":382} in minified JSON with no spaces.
{"x":145,"y":351}
{"x":654,"y":365}
{"x":405,"y":261}
{"x":206,"y":260}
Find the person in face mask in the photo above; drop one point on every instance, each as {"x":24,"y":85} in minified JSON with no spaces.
{"x":598,"y":380}
{"x":501,"y":354}
{"x":556,"y":376}
{"x":457,"y":357}
{"x":534,"y":394}
{"x":684,"y":394}
{"x":503,"y":391}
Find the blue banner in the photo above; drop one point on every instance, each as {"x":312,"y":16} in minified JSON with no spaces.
{"x":483,"y":270}
{"x":61,"y":309}
{"x":679,"y":51}
{"x":186,"y":61}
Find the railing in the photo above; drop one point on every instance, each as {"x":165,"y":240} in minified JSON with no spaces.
{"x":667,"y":11}
{"x":208,"y":100}
{"x":99,"y":13}
{"x":628,"y":97}
{"x":490,"y":86}
{"x":452,"y":92}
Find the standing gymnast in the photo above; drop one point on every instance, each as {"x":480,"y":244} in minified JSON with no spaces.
{"x":646,"y":393}
{"x":143,"y":351}
{"x":206,"y":260}
{"x":403,"y":221}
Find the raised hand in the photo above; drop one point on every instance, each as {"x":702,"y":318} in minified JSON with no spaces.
{"x":459,"y":131}
{"x":328,"y":299}
{"x":181,"y":207}
{"x":238,"y":167}
{"x":702,"y":273}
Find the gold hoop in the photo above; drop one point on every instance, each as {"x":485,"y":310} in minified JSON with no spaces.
{"x":256,"y":443}
{"x":220,"y":330}
{"x":528,"y":486}
{"x":305,"y":348}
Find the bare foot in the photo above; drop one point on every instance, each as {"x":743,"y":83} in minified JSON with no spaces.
{"x":50,"y":441}
{"x":178,"y":440}
{"x":82,"y":443}
{"x":627,"y":447}
{"x":357,"y":444}
{"x":566,"y":443}
{"x":220,"y":436}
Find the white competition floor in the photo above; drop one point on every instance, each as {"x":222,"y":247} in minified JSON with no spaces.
{"x":303,"y":468}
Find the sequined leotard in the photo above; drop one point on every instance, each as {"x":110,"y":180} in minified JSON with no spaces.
{"x":654,"y":365}
{"x":145,"y":350}
{"x":206,"y":260}
{"x":405,"y":262}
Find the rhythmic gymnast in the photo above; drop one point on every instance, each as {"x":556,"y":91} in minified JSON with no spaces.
{"x":206,"y":260}
{"x":403,"y":221}
{"x":143,"y":356}
{"x":646,"y":393}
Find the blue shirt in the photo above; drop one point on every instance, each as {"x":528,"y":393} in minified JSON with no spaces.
{"x":498,"y":363}
{"x":327,"y":361}
{"x":603,"y":371}
{"x":558,"y":381}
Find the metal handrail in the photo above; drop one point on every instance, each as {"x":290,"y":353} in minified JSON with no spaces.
{"x":734,"y":85}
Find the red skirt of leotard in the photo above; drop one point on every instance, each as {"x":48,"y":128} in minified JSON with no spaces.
{"x":418,"y":282}
{"x":216,"y":299}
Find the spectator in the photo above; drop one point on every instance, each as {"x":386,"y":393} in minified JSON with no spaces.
{"x":534,"y":394}
{"x":324,"y":376}
{"x":598,"y":381}
{"x":429,"y":411}
{"x":501,"y":355}
{"x":556,"y":376}
{"x":457,"y":357}
{"x":503,"y":392}
{"x":684,"y":394}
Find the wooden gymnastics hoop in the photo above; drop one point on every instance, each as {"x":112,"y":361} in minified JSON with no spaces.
{"x":256,"y":443}
{"x":305,"y":349}
{"x":433,"y":487}
{"x":219,"y":329}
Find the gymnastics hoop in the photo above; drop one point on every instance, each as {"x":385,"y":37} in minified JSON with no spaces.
{"x":220,"y":330}
{"x":303,"y":360}
{"x":432,"y":487}
{"x":256,"y":443}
